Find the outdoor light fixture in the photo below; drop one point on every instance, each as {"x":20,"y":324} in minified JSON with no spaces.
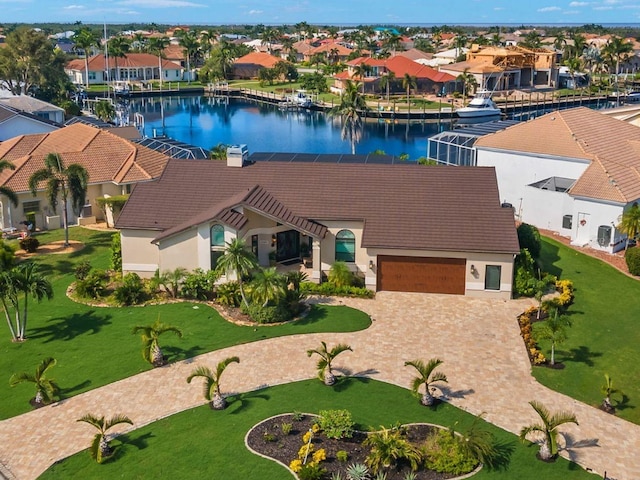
{"x":371,"y":265}
{"x":273,"y":240}
{"x":474,"y":272}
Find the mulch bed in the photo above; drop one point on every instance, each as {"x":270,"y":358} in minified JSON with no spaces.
{"x":284,"y":448}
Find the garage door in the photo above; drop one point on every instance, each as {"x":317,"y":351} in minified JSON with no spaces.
{"x":421,"y":274}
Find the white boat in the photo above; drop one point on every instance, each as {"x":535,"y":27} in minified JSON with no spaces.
{"x":480,"y":106}
{"x":120,"y":88}
{"x":299,"y":98}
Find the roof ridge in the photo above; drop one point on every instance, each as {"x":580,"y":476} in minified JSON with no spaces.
{"x":579,"y":141}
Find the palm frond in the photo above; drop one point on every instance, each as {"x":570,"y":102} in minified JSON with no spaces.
{"x":338,"y":349}
{"x":91,"y":419}
{"x":542,"y":411}
{"x":530,"y":429}
{"x":17,"y":378}
{"x":53,"y":163}
{"x":37,"y":177}
{"x":116,"y":420}
{"x":562,"y":417}
{"x":94,"y":449}
{"x":10,"y":194}
{"x":220,"y":368}
{"x":200,"y":371}
{"x":439,"y":377}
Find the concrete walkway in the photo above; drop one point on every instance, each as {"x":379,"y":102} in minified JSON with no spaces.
{"x":478,"y":340}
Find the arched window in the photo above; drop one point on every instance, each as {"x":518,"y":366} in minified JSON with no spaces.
{"x":217,"y":236}
{"x":345,"y":246}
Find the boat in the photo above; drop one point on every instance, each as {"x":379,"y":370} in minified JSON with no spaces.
{"x":120,"y":88}
{"x":299,"y":98}
{"x":480,"y":106}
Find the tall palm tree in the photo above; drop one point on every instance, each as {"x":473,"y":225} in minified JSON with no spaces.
{"x":548,"y":428}
{"x":427,"y":377}
{"x":151,"y":351}
{"x":138,"y":41}
{"x":615,"y":51}
{"x":409,"y":82}
{"x":64,"y":182}
{"x":85,"y":39}
{"x":100,"y":449}
{"x":156,"y":47}
{"x":574,"y":64}
{"x":267,"y":285}
{"x":349,"y":108}
{"x":629,"y":223}
{"x":554,"y":329}
{"x":9,"y":296}
{"x":118,"y":47}
{"x":386,"y":80}
{"x":469,"y":82}
{"x":237,"y":259}
{"x":191,"y":47}
{"x":360,"y":72}
{"x":6,"y":191}
{"x":560,"y":42}
{"x":212,"y":382}
{"x":326,"y":357}
{"x":46,"y":388}
{"x":28,"y":282}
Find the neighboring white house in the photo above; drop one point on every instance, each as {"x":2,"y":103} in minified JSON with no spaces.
{"x":35,"y":107}
{"x":14,"y":122}
{"x":571,"y":171}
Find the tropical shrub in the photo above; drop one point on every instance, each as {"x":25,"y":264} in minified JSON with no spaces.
{"x":82,"y":270}
{"x":525,"y":276}
{"x":269,"y":314}
{"x":29,"y":244}
{"x":116,"y":252}
{"x":388,"y":446}
{"x":311,"y":471}
{"x":332,"y":290}
{"x":529,"y":238}
{"x":536,"y":357}
{"x":340,"y":275}
{"x":286,"y":428}
{"x":357,"y":471}
{"x":228,"y":294}
{"x":632,"y":257}
{"x":444,"y":453}
{"x":7,"y":256}
{"x":342,"y":455}
{"x":131,"y":291}
{"x":94,"y":285}
{"x":336,"y":423}
{"x":199,"y":284}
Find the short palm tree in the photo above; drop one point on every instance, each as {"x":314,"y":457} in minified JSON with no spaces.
{"x":100,"y":449}
{"x":62,"y":181}
{"x":218,"y":152}
{"x":104,"y":110}
{"x":212,"y":382}
{"x":27,"y":280}
{"x":554,"y":329}
{"x":151,"y":351}
{"x":239,"y":260}
{"x":267,"y":285}
{"x":608,"y":391}
{"x":340,"y":275}
{"x":46,"y":388}
{"x":629,"y":223}
{"x":427,"y":377}
{"x":548,"y":428}
{"x":388,"y":446}
{"x":326,"y":357}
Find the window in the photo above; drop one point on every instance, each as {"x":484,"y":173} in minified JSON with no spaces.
{"x":492,"y":277}
{"x":92,"y":75}
{"x":345,"y":246}
{"x":567,"y":222}
{"x":33,"y":206}
{"x":217,"y":236}
{"x":215,"y":256}
{"x":604,"y":235}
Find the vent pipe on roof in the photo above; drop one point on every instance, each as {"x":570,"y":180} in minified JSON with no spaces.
{"x":237,"y":155}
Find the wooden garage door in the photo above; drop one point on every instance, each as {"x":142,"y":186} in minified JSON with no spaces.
{"x":421,"y":274}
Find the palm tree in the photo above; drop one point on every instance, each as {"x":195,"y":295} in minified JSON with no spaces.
{"x":267,"y":285}
{"x":9,"y":295}
{"x":360,"y":72}
{"x":212,"y":382}
{"x":138,"y":41}
{"x":104,"y":110}
{"x":573,"y":64}
{"x":349,"y":108}
{"x":560,"y":42}
{"x":219,"y":152}
{"x":409,"y":82}
{"x":190,"y":45}
{"x":170,"y":280}
{"x":151,"y":351}
{"x":554,"y":329}
{"x":549,"y":428}
{"x":6,"y":191}
{"x":468,"y":82}
{"x":629,"y":223}
{"x":28,"y":281}
{"x":426,"y":377}
{"x":608,"y":390}
{"x":100,"y":449}
{"x":156,"y":47}
{"x":386,"y":80}
{"x":85,"y":39}
{"x":46,"y":388}
{"x":615,"y":51}
{"x":118,"y":47}
{"x":326,"y":357}
{"x":239,"y":260}
{"x":62,"y":181}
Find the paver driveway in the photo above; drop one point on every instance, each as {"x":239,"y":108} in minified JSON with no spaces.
{"x":478,"y":340}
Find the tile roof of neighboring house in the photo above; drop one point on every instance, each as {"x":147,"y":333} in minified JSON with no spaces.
{"x":415,"y":54}
{"x":7,"y":113}
{"x":107,"y":157}
{"x":258,"y":58}
{"x":303,"y":46}
{"x":132,"y":60}
{"x":328,"y":47}
{"x":415,"y":207}
{"x":401,"y":65}
{"x":611,"y":146}
{"x":173,"y":52}
{"x":29,"y":104}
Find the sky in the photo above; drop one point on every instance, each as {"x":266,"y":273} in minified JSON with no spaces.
{"x":336,"y":12}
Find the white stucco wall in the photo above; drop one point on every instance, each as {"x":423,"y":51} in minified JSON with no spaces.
{"x":596,"y":214}
{"x":545,"y":209}
{"x":180,"y":250}
{"x":23,"y":126}
{"x":139,"y":255}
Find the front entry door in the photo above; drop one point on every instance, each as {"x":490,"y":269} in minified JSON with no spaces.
{"x":288,"y":245}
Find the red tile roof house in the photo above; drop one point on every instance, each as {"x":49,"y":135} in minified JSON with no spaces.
{"x":402,"y":227}
{"x":113,"y":163}
{"x":574,"y":172}
{"x":428,"y":80}
{"x":248,"y":66}
{"x":135,"y":67}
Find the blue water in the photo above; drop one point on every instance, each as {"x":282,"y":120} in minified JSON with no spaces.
{"x":202,"y":122}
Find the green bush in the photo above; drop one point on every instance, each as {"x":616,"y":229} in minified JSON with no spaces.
{"x":116,"y":252}
{"x":7,"y":256}
{"x":199,"y":284}
{"x":529,"y":238}
{"x":29,"y":244}
{"x":444,"y":454}
{"x":632,"y":256}
{"x":131,"y":291}
{"x":340,"y":275}
{"x":336,"y":423}
{"x":329,"y":289}
{"x":342,"y":455}
{"x":311,"y":471}
{"x":269,"y":314}
{"x":94,"y":285}
{"x":82,"y":270}
{"x":228,"y":294}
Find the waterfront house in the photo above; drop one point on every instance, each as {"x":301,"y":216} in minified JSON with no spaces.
{"x":573,"y":172}
{"x":114,"y":165}
{"x":249,"y":65}
{"x":399,"y":226}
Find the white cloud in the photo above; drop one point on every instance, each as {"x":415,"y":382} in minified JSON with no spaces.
{"x":74,"y":7}
{"x":570,"y":12}
{"x":255,"y":12}
{"x":603,"y":8}
{"x":497,"y":9}
{"x":578,"y":4}
{"x":549,"y":9}
{"x":160,"y":3}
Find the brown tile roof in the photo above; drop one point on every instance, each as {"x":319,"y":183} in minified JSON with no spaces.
{"x":402,"y":206}
{"x":258,"y":58}
{"x":107,"y":157}
{"x":612,"y":146}
{"x":415,"y":54}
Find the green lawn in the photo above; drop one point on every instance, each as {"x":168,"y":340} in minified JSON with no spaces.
{"x":84,"y":339}
{"x":604,"y":335}
{"x":202,"y":443}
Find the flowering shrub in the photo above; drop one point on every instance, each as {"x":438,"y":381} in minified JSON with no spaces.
{"x":565,"y":287}
{"x":319,"y":455}
{"x":306,"y":437}
{"x":296,"y":465}
{"x":306,"y":449}
{"x":536,"y":357}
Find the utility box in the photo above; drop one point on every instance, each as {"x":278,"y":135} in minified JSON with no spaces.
{"x":53,"y":222}
{"x":237,"y":155}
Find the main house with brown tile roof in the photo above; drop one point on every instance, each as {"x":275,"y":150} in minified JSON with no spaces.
{"x":114,"y":165}
{"x":572,"y":171}
{"x":249,"y":65}
{"x":403,"y":227}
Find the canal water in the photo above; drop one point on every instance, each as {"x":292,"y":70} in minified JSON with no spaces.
{"x":207,"y":121}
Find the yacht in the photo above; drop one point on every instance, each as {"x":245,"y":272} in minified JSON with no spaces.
{"x":480,"y":106}
{"x":299,"y":99}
